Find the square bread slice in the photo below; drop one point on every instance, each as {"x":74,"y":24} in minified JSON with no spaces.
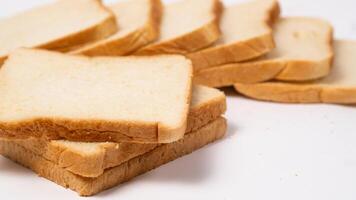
{"x":339,"y":87}
{"x":187,"y":26}
{"x":246,"y":34}
{"x":303,"y":52}
{"x":123,"y":99}
{"x":91,"y":159}
{"x":139,"y":22}
{"x":56,"y":26}
{"x":114,"y":176}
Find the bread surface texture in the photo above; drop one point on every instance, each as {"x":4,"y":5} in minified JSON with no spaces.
{"x":123,"y":99}
{"x":246,"y":34}
{"x":114,"y":176}
{"x":91,"y":159}
{"x":303,"y":52}
{"x":138,"y":22}
{"x":57,"y":26}
{"x":187,"y":26}
{"x":339,"y":87}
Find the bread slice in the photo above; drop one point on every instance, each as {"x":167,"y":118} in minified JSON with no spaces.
{"x":247,"y":34}
{"x":187,"y":26}
{"x":338,"y":87}
{"x":91,"y":159}
{"x":139,"y":22}
{"x":127,"y":99}
{"x":57,"y":26}
{"x":303,"y":52}
{"x":119,"y":174}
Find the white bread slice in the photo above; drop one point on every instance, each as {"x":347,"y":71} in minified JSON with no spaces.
{"x":339,"y":87}
{"x":303,"y":52}
{"x":247,"y":34}
{"x":57,"y":26}
{"x":116,"y":175}
{"x":139,"y":22}
{"x":124,"y":99}
{"x":187,"y":26}
{"x":91,"y":159}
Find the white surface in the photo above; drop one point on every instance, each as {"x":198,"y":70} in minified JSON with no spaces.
{"x":272,"y":151}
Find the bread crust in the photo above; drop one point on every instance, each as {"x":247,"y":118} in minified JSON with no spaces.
{"x":265,"y":70}
{"x":298,"y":93}
{"x":112,"y":154}
{"x":105,"y":28}
{"x":130,"y":42}
{"x":240,"y":50}
{"x":116,"y":175}
{"x":190,"y":42}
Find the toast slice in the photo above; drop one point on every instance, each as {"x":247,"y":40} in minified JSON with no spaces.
{"x":339,"y":87}
{"x":247,"y":34}
{"x":57,"y":26}
{"x":304,"y":52}
{"x":139,"y":22}
{"x":112,"y":177}
{"x":187,"y":26}
{"x":91,"y":159}
{"x":58,"y":96}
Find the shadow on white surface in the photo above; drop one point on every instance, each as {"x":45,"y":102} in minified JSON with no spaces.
{"x":10,"y":167}
{"x":190,"y":169}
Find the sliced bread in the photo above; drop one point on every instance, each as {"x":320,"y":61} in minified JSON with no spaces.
{"x":91,"y":159}
{"x":247,"y":34}
{"x":119,"y":174}
{"x":338,"y":87}
{"x":303,"y":52}
{"x":139,"y":22}
{"x":57,"y":26}
{"x":187,"y":26}
{"x":124,"y":99}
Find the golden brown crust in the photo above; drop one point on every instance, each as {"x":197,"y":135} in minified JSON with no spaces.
{"x":130,"y":42}
{"x":240,"y":50}
{"x":190,"y":42}
{"x":122,"y":173}
{"x":264,"y":70}
{"x":298,"y":93}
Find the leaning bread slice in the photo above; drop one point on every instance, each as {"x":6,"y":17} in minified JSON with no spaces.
{"x":303,"y":52}
{"x":57,"y":26}
{"x":138,"y":21}
{"x":119,"y":174}
{"x":338,"y":87}
{"x":247,"y":34}
{"x":187,"y":26}
{"x":91,"y":159}
{"x":124,"y":99}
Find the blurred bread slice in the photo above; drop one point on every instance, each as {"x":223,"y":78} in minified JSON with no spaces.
{"x":207,"y":105}
{"x":303,"y":52}
{"x":122,"y":99}
{"x":138,"y":21}
{"x":338,"y":87}
{"x":187,"y":26}
{"x":58,"y":26}
{"x":246,"y":34}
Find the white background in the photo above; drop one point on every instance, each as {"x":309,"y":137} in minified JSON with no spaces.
{"x":272,"y":151}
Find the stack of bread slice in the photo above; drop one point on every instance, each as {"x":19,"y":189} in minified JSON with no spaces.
{"x":89,"y":123}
